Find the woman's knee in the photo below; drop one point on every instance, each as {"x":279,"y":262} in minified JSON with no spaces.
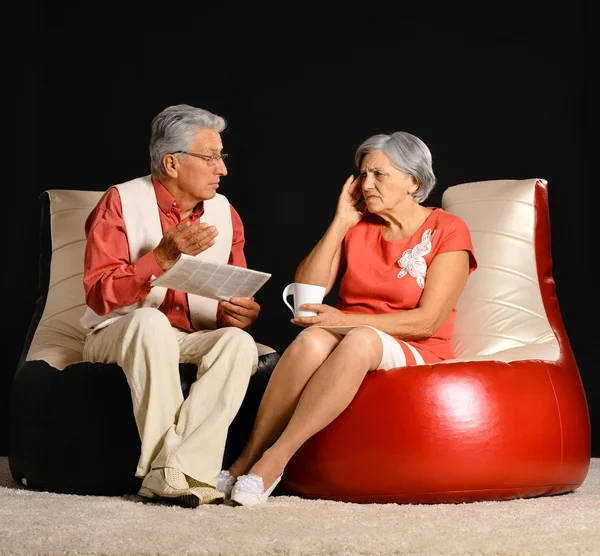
{"x":313,"y":343}
{"x":364,"y":343}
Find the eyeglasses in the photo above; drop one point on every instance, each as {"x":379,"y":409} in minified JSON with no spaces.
{"x":211,"y":158}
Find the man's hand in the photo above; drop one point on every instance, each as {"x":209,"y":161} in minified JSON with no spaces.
{"x":239,"y":312}
{"x":187,"y":238}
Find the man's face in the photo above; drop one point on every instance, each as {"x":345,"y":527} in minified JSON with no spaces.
{"x":198,"y":178}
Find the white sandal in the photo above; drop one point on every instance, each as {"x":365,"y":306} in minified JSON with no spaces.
{"x":249,"y":490}
{"x":225,"y":482}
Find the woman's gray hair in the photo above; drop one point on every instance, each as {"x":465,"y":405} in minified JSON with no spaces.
{"x":407,"y":153}
{"x":175,"y":128}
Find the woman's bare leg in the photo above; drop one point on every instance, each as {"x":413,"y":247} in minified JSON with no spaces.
{"x":329,"y":391}
{"x":291,"y":374}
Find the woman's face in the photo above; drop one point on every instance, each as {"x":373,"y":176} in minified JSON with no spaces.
{"x":384,"y":187}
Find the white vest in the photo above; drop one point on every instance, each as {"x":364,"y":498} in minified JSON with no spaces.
{"x":144,"y":232}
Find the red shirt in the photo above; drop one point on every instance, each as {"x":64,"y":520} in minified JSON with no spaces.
{"x":388,"y":276}
{"x":112,"y":281}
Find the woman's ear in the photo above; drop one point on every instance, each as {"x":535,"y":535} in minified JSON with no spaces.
{"x":414,"y":185}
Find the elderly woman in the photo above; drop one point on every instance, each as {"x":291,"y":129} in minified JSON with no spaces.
{"x":402,"y":267}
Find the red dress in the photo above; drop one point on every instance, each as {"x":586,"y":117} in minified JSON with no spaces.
{"x":388,"y":276}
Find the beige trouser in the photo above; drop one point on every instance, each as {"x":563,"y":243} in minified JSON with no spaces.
{"x":187,"y":435}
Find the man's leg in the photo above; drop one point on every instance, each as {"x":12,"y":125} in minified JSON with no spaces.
{"x":144,"y":345}
{"x":226,"y":358}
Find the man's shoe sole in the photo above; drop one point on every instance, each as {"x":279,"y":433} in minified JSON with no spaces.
{"x":183,"y":500}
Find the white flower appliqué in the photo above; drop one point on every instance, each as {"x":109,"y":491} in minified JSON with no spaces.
{"x":413,"y":262}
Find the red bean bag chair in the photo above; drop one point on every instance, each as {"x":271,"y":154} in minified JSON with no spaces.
{"x":507,"y":418}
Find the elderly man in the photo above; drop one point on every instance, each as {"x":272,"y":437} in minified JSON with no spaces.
{"x":136,"y":232}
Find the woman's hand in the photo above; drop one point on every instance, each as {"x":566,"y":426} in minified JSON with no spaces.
{"x":326,"y":316}
{"x":349,"y":209}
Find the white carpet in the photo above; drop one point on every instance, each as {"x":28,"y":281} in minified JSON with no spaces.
{"x":34,"y":523}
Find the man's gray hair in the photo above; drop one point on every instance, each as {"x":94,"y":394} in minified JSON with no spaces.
{"x":174,"y":129}
{"x":407,"y":153}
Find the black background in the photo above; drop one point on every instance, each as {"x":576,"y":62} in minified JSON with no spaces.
{"x":496,"y":90}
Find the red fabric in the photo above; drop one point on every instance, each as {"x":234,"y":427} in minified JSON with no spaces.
{"x":371,"y":283}
{"x":112,"y":281}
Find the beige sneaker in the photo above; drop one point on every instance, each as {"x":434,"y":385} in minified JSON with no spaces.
{"x":170,"y":485}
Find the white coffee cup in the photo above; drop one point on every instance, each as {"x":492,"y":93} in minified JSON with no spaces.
{"x":303,"y":293}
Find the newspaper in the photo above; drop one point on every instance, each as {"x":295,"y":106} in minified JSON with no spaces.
{"x":211,"y":279}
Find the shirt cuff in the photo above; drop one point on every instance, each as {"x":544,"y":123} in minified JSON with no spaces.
{"x":219,"y":315}
{"x":146,"y":267}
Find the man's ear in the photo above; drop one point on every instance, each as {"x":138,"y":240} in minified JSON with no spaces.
{"x":170,"y":165}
